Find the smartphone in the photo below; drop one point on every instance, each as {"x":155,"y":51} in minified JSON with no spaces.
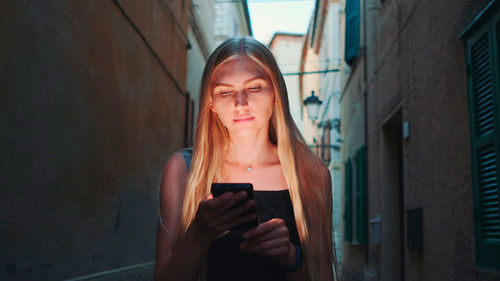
{"x":220,"y":188}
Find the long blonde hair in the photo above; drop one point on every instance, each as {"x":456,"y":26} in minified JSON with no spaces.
{"x":300,"y":166}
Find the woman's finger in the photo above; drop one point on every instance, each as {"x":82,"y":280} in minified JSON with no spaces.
{"x":262,"y":242}
{"x":266,"y":245}
{"x":266,"y":240}
{"x":213,"y":215}
{"x":237,"y":198}
{"x":272,"y":227}
{"x":219,"y":201}
{"x":239,"y":210}
{"x":277,"y":233}
{"x":207,"y":213}
{"x":221,"y":223}
{"x":267,"y":226}
{"x":241,"y":219}
{"x":283,"y":251}
{"x":279,"y":251}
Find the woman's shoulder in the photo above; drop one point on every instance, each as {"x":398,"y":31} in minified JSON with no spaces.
{"x":177,"y":163}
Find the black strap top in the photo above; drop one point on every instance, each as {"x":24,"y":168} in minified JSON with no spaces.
{"x":227,"y":262}
{"x":225,"y":259}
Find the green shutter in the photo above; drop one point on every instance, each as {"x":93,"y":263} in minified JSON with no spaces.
{"x":351,"y":30}
{"x":482,"y":79}
{"x":348,"y":201}
{"x":361,"y":211}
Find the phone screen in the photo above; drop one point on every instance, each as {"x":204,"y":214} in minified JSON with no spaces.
{"x":220,"y":188}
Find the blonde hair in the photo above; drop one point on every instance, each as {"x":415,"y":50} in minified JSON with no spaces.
{"x":300,"y":166}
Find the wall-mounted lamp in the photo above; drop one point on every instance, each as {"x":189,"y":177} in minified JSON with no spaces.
{"x":336,"y":125}
{"x":312,"y":104}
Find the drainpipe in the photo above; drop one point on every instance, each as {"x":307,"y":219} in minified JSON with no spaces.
{"x":365,"y":88}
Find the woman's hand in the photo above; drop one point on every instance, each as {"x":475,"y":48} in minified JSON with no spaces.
{"x":216,"y":215}
{"x":270,"y":238}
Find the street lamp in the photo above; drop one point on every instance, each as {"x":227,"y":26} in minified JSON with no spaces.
{"x":312,"y":104}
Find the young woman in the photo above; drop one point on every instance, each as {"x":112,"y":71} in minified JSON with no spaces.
{"x":245,"y":134}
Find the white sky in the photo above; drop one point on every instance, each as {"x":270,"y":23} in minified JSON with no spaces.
{"x":270,"y":16}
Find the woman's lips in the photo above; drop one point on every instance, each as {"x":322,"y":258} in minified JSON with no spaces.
{"x":244,"y":119}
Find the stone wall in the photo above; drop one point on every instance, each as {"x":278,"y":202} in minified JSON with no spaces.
{"x":415,"y":73}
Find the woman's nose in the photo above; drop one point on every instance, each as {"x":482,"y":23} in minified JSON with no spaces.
{"x":240,"y":99}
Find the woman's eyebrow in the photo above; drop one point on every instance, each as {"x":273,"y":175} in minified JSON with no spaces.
{"x":254,"y":78}
{"x":216,"y":84}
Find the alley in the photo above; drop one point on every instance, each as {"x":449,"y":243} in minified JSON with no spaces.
{"x":398,"y":98}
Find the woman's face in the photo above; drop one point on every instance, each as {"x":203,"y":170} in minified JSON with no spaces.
{"x":242,"y":96}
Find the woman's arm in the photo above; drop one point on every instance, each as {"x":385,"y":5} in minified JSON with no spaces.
{"x":183,"y":259}
{"x":171,"y":197}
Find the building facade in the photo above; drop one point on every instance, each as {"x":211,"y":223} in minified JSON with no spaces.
{"x":286,"y":48}
{"x":419,"y":111}
{"x":232,"y":18}
{"x":320,"y":73}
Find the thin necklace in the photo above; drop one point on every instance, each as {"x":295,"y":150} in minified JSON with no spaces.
{"x":249,"y":167}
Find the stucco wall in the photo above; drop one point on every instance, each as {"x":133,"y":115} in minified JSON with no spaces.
{"x":287,"y":50}
{"x":88,"y":116}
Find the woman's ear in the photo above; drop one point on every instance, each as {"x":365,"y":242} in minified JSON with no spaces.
{"x":211,"y":105}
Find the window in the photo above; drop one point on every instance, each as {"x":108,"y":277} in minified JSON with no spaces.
{"x":348,"y":201}
{"x":351,"y":30}
{"x":482,"y":43}
{"x":355,"y":211}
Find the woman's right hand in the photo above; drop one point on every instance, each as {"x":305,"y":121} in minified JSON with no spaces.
{"x":217,"y":215}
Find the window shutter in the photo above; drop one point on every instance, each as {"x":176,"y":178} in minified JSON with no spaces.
{"x":351,"y":30}
{"x":361,"y":200}
{"x":348,"y":201}
{"x":482,"y":78}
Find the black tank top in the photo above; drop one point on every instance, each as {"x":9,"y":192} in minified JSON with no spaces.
{"x":226,"y":261}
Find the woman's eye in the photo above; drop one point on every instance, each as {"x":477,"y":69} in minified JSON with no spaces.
{"x":225,"y":93}
{"x":254,"y":89}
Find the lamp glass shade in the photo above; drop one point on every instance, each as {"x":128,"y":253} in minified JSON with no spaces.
{"x":312,"y":110}
{"x":312,"y":104}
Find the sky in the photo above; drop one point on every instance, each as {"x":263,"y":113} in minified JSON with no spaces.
{"x":270,"y":16}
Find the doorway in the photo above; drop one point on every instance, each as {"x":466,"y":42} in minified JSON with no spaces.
{"x":392,"y":250}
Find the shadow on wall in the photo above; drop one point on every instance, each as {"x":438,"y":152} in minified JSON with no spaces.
{"x":88,"y":117}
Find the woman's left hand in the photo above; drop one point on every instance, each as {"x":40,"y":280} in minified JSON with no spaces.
{"x":270,"y":238}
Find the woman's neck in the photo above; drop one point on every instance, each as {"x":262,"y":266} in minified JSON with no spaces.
{"x":250,"y":151}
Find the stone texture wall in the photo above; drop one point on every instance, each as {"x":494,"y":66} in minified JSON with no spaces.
{"x":415,"y":63}
{"x":91,"y":105}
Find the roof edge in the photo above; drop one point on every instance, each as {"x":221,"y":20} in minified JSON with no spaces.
{"x":492,"y":5}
